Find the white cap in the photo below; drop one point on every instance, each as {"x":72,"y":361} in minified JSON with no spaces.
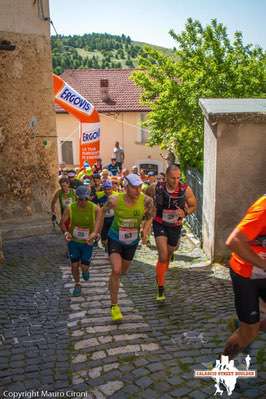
{"x":133,"y":180}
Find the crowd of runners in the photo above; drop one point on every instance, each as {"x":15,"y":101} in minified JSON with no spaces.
{"x":123,"y":207}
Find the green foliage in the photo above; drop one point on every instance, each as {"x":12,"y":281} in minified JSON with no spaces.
{"x":95,"y":50}
{"x":207,"y":64}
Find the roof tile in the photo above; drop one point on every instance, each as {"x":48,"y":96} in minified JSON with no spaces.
{"x":124,"y":95}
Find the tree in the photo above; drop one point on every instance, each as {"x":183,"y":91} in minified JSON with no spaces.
{"x":206,"y":64}
{"x":129,"y":63}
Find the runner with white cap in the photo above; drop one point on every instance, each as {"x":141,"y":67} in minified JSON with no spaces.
{"x":130,"y":209}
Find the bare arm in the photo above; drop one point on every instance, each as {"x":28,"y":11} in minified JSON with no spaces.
{"x":98,"y":224}
{"x":148,"y":216}
{"x":111,"y":203}
{"x":150,"y":191}
{"x":191,"y":205}
{"x":239,"y":243}
{"x":54,"y":200}
{"x":191,"y":201}
{"x":65,"y":217}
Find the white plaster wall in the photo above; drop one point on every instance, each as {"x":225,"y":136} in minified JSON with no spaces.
{"x":21,"y":16}
{"x":241,"y":175}
{"x":122,"y":127}
{"x":209,"y":189}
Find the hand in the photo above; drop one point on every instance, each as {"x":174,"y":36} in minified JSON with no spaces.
{"x":91,"y":238}
{"x":181,"y":213}
{"x":144,"y":237}
{"x":68,"y":236}
{"x":263,"y":261}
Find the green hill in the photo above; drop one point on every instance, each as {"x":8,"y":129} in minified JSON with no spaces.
{"x":96,"y":50}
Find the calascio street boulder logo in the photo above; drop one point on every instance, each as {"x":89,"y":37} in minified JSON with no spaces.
{"x":226,"y":374}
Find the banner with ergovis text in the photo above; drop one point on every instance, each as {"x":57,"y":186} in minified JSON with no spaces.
{"x":89,"y":142}
{"x":77,"y":105}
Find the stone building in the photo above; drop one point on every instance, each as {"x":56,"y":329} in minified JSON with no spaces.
{"x":28,"y":153}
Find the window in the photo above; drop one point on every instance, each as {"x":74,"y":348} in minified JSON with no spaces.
{"x":67,"y":152}
{"x":149,"y":167}
{"x":142,"y":133}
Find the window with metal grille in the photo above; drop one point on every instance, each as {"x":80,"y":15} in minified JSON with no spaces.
{"x":143,"y":132}
{"x":149,"y":167}
{"x":67,"y":152}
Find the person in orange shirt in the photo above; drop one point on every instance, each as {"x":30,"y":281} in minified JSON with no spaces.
{"x":248,"y":274}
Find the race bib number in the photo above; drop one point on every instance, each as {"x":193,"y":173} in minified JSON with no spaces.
{"x":170,"y":216}
{"x":127,"y":235}
{"x":109,"y":213}
{"x":128,"y":223}
{"x":67,"y":201}
{"x":257,"y":272}
{"x":81,"y":233}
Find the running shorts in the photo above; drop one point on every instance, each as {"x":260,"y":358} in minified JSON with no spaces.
{"x":173,"y":234}
{"x":127,"y":252}
{"x":106,"y":226}
{"x":80,"y":252}
{"x":247,"y":293}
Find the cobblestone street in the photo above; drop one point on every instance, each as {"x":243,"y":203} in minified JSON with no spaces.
{"x":52,"y":341}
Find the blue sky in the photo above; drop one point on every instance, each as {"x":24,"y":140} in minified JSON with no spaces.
{"x":150,"y":20}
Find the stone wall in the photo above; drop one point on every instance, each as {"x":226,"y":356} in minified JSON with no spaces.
{"x":28,"y":147}
{"x":2,"y":258}
{"x":234,"y":166}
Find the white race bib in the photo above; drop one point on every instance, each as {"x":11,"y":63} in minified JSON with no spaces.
{"x":109,"y":213}
{"x":128,"y":235}
{"x":67,"y":201}
{"x":170,"y":216}
{"x":257,"y":272}
{"x":81,"y":233}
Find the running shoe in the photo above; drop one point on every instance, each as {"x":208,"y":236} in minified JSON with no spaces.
{"x":77,"y":291}
{"x":116,"y":313}
{"x":86,"y":275}
{"x":160,"y":295}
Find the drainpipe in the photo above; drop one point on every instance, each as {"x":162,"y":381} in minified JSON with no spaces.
{"x":123,"y":132}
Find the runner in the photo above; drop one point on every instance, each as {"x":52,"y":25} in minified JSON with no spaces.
{"x":65,"y":195}
{"x":152,"y":177}
{"x":74,"y":183}
{"x":135,"y":170}
{"x":101,"y":198}
{"x":248,"y":274}
{"x":173,"y":201}
{"x":105,"y":175}
{"x":97,"y":182}
{"x":115,"y":183}
{"x":149,"y":180}
{"x":85,"y":223}
{"x":130,"y":207}
{"x":85,"y":171}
